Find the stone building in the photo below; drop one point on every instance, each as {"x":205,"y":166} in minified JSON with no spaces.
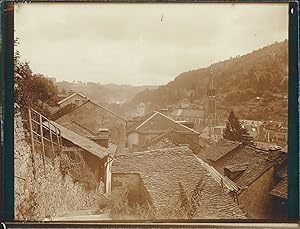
{"x":90,"y":117}
{"x":96,"y":156}
{"x":144,"y":129}
{"x":175,"y":138}
{"x":41,"y":190}
{"x":153,"y":178}
{"x":255,"y":171}
{"x":75,"y":98}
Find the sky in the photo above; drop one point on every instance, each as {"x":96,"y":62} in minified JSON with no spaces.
{"x":141,"y":44}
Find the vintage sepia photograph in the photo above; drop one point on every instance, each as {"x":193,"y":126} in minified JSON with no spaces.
{"x":153,"y":111}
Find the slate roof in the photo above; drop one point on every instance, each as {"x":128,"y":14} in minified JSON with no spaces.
{"x":71,"y":96}
{"x":281,"y":189}
{"x":161,"y":170}
{"x":132,"y":124}
{"x":219,"y":149}
{"x":89,"y":101}
{"x":82,"y":142}
{"x":155,"y":120}
{"x":173,"y":138}
{"x":259,"y":161}
{"x":78,"y":129}
{"x":237,"y":167}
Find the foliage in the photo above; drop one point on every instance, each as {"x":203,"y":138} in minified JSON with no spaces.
{"x":79,"y":171}
{"x":238,"y":80}
{"x":120,"y":208}
{"x":234,"y":130}
{"x":32,"y":90}
{"x":27,"y":209}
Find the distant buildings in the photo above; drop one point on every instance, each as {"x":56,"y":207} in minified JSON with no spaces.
{"x":76,"y":98}
{"x":141,"y":109}
{"x":271,"y":134}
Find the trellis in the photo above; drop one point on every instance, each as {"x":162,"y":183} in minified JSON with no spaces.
{"x":43,"y":131}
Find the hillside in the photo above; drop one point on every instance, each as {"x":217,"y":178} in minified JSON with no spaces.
{"x":104,"y":93}
{"x":239,"y":80}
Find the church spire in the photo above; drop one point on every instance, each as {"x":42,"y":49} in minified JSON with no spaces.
{"x":211,"y":91}
{"x":211,"y":103}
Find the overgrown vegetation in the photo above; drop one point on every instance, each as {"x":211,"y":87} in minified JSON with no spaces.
{"x":182,"y":206}
{"x":79,"y":171}
{"x":32,"y":90}
{"x":239,"y":80}
{"x":27,"y":209}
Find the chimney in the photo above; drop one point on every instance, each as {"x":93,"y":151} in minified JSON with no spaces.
{"x":102,"y":137}
{"x":164,"y":111}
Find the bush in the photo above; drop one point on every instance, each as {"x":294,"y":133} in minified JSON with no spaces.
{"x":80,"y":172}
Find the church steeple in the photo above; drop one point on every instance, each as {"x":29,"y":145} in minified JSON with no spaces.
{"x":211,"y":103}
{"x":211,"y":91}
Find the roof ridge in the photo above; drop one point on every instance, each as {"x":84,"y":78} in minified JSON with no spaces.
{"x":72,"y":95}
{"x":153,"y":150}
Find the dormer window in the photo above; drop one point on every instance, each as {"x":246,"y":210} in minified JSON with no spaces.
{"x":235,"y":170}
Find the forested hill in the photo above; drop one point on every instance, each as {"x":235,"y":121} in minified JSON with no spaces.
{"x":262,"y":72}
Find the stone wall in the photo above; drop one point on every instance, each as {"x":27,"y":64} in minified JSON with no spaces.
{"x":132,"y":184}
{"x":43,"y":192}
{"x":256,"y":199}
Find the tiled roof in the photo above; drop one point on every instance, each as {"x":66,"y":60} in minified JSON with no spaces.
{"x":71,"y":96}
{"x":237,"y":167}
{"x":219,"y":149}
{"x":78,"y":129}
{"x":133,"y":124}
{"x":259,"y":162}
{"x":82,"y":142}
{"x":89,"y":101}
{"x":174,"y":138}
{"x":163,"y":143}
{"x":162,"y":170}
{"x":158,"y":121}
{"x":281,"y":189}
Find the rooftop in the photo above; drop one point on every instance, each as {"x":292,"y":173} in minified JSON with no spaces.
{"x":82,"y":142}
{"x":161,"y":170}
{"x":281,"y":189}
{"x":250,"y":161}
{"x":157,"y":121}
{"x":219,"y":149}
{"x":71,"y":96}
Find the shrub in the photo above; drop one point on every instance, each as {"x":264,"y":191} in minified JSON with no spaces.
{"x":79,"y":171}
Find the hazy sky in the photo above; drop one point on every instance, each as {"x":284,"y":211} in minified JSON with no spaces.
{"x":141,"y":43}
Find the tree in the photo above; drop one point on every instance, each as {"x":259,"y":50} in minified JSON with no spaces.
{"x":234,"y":131}
{"x":31,"y":88}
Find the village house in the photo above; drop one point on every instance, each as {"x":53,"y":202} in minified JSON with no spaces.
{"x":254,"y":127}
{"x":142,"y":130}
{"x":255,"y":171}
{"x":173,"y":138}
{"x":195,"y":115}
{"x":272,"y":134}
{"x":76,"y":98}
{"x":153,"y":178}
{"x":216,"y":133}
{"x":90,"y":118}
{"x":98,"y":157}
